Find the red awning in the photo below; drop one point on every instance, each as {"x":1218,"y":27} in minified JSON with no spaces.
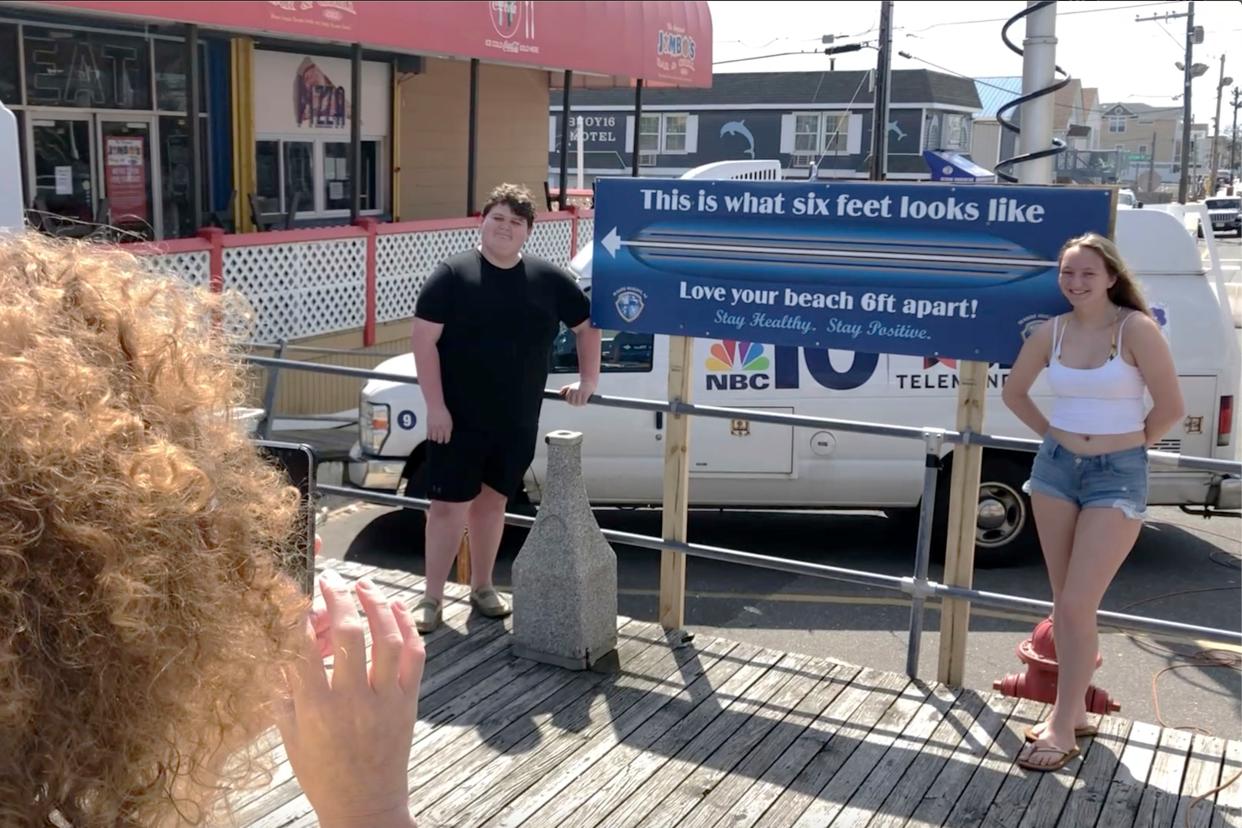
{"x":658,"y":40}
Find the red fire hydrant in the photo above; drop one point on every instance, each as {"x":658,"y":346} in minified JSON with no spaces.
{"x":1039,"y":682}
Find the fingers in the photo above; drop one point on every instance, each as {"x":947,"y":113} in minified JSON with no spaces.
{"x":387,"y":640}
{"x":413,"y":652}
{"x":308,"y":683}
{"x":349,"y":666}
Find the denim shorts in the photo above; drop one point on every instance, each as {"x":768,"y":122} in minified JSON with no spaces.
{"x":1117,"y":480}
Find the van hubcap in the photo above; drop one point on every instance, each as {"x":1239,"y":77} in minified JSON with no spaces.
{"x":1002,"y":514}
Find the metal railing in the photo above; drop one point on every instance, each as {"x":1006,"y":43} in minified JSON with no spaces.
{"x":918,"y":586}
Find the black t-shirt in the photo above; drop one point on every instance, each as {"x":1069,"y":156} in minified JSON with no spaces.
{"x":499,"y":325}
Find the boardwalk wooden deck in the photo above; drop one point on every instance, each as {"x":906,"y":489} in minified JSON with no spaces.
{"x":710,"y":732}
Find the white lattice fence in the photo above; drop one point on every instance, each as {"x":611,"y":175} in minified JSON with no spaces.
{"x":586,"y":233}
{"x":403,"y":261}
{"x":550,"y":240}
{"x":300,"y":289}
{"x":194,"y":267}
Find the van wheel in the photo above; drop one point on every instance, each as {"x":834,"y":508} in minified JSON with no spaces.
{"x":1005,"y":528}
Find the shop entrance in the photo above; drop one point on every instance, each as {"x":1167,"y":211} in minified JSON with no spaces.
{"x":90,"y":169}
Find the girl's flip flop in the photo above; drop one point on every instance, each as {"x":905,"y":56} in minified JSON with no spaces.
{"x":1065,"y":757}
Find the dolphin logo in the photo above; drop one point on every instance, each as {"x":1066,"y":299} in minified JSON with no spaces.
{"x":892,"y":127}
{"x":739,"y":128}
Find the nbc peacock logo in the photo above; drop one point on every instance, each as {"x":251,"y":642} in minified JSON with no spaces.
{"x":737,"y":366}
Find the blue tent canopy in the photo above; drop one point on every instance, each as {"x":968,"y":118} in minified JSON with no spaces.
{"x":953,"y":166}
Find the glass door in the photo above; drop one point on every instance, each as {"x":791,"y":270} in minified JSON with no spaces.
{"x":61,"y":163}
{"x":127,"y":167}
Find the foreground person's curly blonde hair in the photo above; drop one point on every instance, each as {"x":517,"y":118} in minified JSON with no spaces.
{"x":142,"y":615}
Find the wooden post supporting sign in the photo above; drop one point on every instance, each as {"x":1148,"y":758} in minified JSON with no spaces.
{"x":959,"y":560}
{"x":676,"y":485}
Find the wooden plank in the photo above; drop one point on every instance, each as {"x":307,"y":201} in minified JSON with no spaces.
{"x":1052,"y":791}
{"x":1229,"y":801}
{"x":1010,"y":802}
{"x":460,"y":751}
{"x":1089,"y":789}
{"x":616,"y":776}
{"x":1164,"y":783}
{"x":995,"y":766}
{"x":959,"y":566}
{"x":465,"y":766}
{"x":1207,"y":755}
{"x":1130,"y":779}
{"x":815,"y":738}
{"x":922,"y":772}
{"x":714,"y":750}
{"x":561,"y":759}
{"x":939,"y":799}
{"x":869,"y":797}
{"x":832,"y":799}
{"x":676,"y":485}
{"x":724,"y":794}
{"x":834,"y":753}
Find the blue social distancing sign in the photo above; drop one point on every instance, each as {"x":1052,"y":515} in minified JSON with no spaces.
{"x":922,"y":269}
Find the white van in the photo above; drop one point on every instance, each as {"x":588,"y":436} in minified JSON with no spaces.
{"x":742,"y":464}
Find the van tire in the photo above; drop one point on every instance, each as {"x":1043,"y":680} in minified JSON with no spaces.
{"x":1006,"y":533}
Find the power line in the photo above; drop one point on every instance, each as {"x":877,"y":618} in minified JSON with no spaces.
{"x":1059,"y":14}
{"x":762,"y":57}
{"x":940,"y":25}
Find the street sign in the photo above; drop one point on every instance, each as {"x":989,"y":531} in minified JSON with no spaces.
{"x":923,"y":269}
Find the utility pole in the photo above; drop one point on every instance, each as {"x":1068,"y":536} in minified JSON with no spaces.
{"x":1183,"y":181}
{"x":1151,"y":164}
{"x":1187,"y":76}
{"x":1220,"y":90}
{"x":1233,"y":143}
{"x":1039,"y":61}
{"x":879,"y":112}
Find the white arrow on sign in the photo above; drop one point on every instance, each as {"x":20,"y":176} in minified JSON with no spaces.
{"x":612,"y":242}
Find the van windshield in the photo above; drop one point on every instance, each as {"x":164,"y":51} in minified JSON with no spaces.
{"x":1224,"y":203}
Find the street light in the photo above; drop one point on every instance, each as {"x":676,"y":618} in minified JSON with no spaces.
{"x":1196,"y":70}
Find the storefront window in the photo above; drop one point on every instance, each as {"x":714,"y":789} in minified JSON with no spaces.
{"x":86,"y":69}
{"x":336,"y":175}
{"x":175,"y":174}
{"x":299,"y":176}
{"x":10,"y":76}
{"x":267,"y":170}
{"x":170,"y":76}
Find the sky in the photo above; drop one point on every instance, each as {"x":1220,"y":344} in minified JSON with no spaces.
{"x":1100,"y":42}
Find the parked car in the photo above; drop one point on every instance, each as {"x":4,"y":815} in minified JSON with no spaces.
{"x":1226,"y":215}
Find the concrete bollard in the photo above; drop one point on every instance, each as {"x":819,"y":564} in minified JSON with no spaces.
{"x":565,"y":576}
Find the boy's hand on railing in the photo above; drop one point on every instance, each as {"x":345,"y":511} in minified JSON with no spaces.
{"x":578,"y":393}
{"x":348,"y":730}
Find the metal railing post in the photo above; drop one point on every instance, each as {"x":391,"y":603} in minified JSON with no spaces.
{"x":269,"y":392}
{"x":933,"y":443}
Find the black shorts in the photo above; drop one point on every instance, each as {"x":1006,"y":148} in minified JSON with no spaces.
{"x":457,"y":470}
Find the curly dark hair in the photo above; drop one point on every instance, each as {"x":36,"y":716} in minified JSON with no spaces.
{"x":145,"y":614}
{"x":517,"y":198}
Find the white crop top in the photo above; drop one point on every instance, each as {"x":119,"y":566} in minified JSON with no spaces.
{"x":1103,"y":400}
